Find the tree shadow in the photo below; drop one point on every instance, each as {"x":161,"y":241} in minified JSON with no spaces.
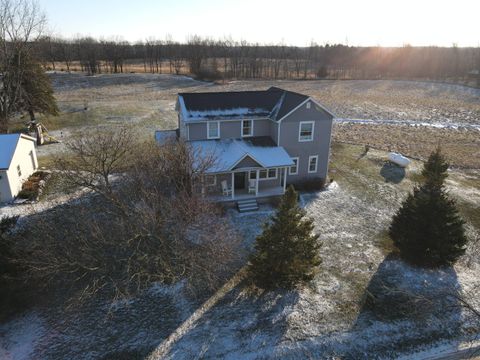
{"x":392,"y":173}
{"x":405,"y":307}
{"x":241,"y":325}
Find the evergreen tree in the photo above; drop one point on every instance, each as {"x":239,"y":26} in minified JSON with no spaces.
{"x":286,"y":253}
{"x":36,"y":89}
{"x":427,"y":229}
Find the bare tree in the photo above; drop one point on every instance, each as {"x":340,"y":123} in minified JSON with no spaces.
{"x":158,"y":228}
{"x":21,"y":25}
{"x":94,"y":157}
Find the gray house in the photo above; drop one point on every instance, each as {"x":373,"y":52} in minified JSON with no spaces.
{"x":260,"y":140}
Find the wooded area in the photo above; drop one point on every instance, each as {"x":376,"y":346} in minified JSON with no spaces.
{"x":217,"y":59}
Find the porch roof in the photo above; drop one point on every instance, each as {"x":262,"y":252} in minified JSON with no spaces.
{"x":227,"y":153}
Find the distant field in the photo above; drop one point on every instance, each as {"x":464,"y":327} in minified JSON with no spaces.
{"x":148,"y":100}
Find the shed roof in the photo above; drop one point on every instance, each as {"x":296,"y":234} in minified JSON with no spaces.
{"x":8,"y":144}
{"x":273,"y":103}
{"x":227,"y":153}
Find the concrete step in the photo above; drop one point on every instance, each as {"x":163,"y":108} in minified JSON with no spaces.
{"x":247,"y":205}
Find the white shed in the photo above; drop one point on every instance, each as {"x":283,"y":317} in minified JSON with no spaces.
{"x":18,"y":160}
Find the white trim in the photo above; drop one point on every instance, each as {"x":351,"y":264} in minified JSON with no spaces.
{"x":299,"y":106}
{"x":300,"y":131}
{"x":293,"y":110}
{"x":244,"y":156}
{"x":214,"y":180}
{"x":268,"y":170}
{"x":208,"y":130}
{"x":290,"y":168}
{"x":316,"y":163}
{"x":251,"y":128}
{"x":323,"y":108}
{"x":203,"y":121}
{"x":285,"y":179}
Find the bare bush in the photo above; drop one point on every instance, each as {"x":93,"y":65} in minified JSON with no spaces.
{"x":94,"y":156}
{"x":152,"y":226}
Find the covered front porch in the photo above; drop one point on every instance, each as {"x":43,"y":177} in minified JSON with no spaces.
{"x":245,"y":184}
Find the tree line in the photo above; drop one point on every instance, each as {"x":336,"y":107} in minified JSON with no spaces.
{"x":227,"y":58}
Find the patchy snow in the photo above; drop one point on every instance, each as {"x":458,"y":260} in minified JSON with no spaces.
{"x":437,"y":125}
{"x":229,"y":152}
{"x":19,"y":337}
{"x":242,"y":113}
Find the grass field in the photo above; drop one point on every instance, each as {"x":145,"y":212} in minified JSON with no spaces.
{"x":363,"y":301}
{"x":148,"y":101}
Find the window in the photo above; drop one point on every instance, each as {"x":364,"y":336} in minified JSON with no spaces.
{"x":312,"y":163}
{"x":213,"y":128}
{"x":210,"y":180}
{"x":253,"y":175}
{"x":247,"y":128}
{"x":268,"y":174}
{"x":305,"y":132}
{"x":294,"y":168}
{"x":308,"y":105}
{"x":19,"y":171}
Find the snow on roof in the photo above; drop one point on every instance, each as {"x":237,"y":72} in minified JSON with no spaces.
{"x":273,"y":103}
{"x":227,"y":113}
{"x":8,"y":144}
{"x":229,"y":152}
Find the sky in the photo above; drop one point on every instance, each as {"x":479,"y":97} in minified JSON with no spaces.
{"x":293,"y":22}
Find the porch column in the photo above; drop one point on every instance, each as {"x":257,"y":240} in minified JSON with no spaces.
{"x":233,"y":185}
{"x":256,"y":182}
{"x":284,"y":179}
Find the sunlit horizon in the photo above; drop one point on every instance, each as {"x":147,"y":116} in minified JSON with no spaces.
{"x":355,"y":23}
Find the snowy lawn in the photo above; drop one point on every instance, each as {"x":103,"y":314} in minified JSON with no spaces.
{"x":365,"y":302}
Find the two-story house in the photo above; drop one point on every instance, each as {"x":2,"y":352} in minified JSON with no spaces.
{"x":260,"y":140}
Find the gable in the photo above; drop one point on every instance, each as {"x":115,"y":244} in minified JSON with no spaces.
{"x":8,"y":146}
{"x":302,"y":113}
{"x":247,"y":162}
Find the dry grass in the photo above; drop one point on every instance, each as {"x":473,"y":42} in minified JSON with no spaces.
{"x":462,"y":147}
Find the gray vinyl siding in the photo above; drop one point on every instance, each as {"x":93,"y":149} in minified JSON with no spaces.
{"x":248,"y":162}
{"x":197,"y":131}
{"x":320,"y":145}
{"x":230,"y":129}
{"x":274,"y":131}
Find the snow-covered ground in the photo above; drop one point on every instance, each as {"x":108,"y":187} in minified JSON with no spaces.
{"x":335,"y":316}
{"x":364,"y":303}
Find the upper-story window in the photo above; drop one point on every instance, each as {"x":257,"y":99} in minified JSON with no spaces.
{"x":213,"y":129}
{"x":247,"y":128}
{"x":305,"y":131}
{"x":19,"y":171}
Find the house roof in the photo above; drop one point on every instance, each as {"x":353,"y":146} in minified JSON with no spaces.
{"x":227,"y":153}
{"x":273,"y":103}
{"x":163,"y":136}
{"x":8,"y":144}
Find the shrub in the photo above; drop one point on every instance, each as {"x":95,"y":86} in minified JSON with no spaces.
{"x":286,"y":253}
{"x":427,"y":229}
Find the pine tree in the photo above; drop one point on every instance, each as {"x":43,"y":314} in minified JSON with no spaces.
{"x":427,"y":229}
{"x":287,"y":252}
{"x":36,"y":89}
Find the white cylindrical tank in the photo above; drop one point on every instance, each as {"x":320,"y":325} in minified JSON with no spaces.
{"x":398,"y":159}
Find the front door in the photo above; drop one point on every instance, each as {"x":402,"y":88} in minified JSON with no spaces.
{"x":239,"y":180}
